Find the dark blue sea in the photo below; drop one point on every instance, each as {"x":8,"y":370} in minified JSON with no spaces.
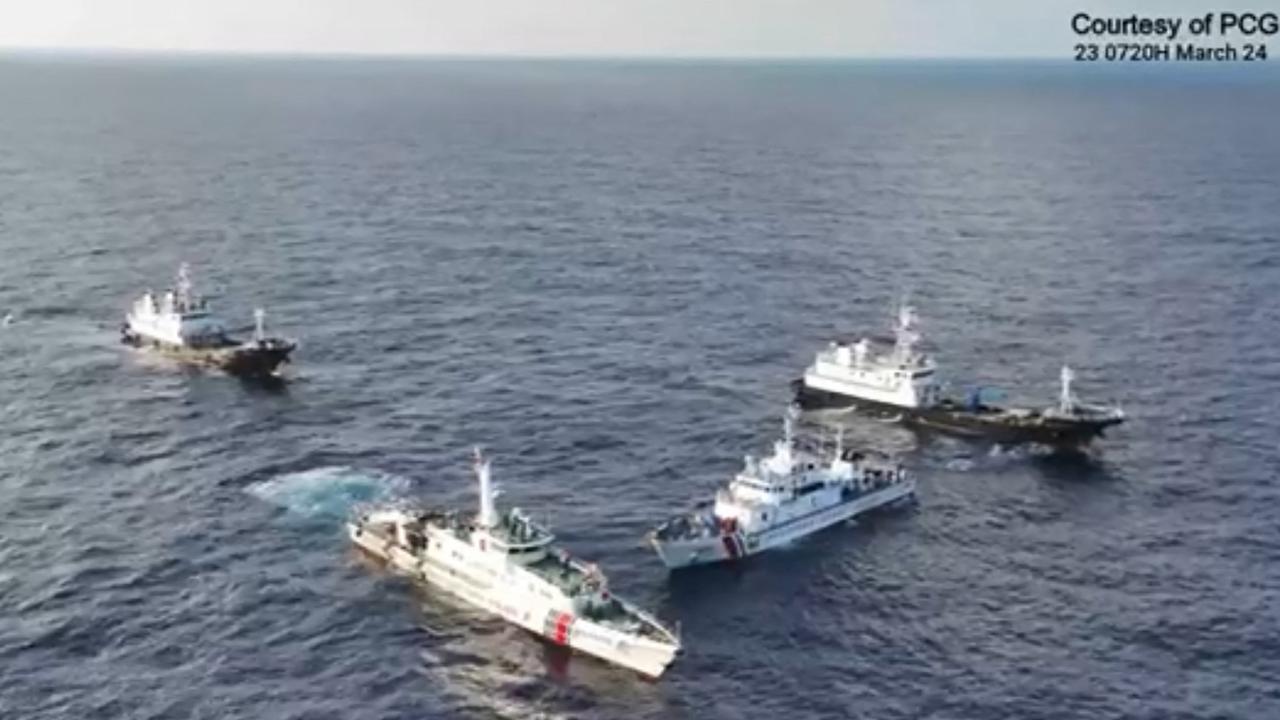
{"x":606,"y":273}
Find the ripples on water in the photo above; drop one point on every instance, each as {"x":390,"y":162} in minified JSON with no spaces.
{"x":607,"y":274}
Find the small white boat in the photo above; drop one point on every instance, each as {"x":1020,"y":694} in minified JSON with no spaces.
{"x":775,"y":501}
{"x":182,"y":325}
{"x":507,"y":564}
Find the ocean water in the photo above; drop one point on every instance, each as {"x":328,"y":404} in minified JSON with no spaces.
{"x":606,"y":274}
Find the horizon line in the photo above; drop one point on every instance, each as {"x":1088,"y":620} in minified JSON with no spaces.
{"x":495,"y":56}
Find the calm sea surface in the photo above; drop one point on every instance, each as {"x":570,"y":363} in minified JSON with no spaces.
{"x":606,"y":274}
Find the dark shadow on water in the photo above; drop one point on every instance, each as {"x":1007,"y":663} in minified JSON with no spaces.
{"x":734,"y":585}
{"x":556,"y":659}
{"x":1074,"y":465}
{"x":697,"y":582}
{"x":265,"y":385}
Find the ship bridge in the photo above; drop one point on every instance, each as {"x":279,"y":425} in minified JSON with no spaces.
{"x":517,"y":535}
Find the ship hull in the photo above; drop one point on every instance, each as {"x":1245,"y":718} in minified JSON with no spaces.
{"x":687,"y":552}
{"x":251,"y":360}
{"x":501,"y":593}
{"x":989,"y":424}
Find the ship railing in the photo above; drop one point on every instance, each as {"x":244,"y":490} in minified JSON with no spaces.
{"x":1091,"y":411}
{"x":646,"y":624}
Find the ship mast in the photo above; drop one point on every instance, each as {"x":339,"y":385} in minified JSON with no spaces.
{"x":487,"y":518}
{"x":905,"y":334}
{"x":259,"y":324}
{"x":1066,"y":401}
{"x":784,"y":457}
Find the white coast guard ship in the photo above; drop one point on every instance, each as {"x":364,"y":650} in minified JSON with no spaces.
{"x":782,"y":498}
{"x":507,"y":564}
{"x":182,"y":325}
{"x":900,"y":380}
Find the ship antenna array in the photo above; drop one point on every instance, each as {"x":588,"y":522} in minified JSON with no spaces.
{"x":184,"y":284}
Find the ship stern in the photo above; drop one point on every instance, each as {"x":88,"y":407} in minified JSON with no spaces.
{"x":678,"y":553}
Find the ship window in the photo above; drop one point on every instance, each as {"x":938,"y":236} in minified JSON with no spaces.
{"x":806,"y":489}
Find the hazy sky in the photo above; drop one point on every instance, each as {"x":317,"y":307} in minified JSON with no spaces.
{"x":567,"y":27}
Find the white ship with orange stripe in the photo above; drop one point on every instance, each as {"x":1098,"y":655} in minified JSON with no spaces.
{"x":780,"y":499}
{"x":507,"y":564}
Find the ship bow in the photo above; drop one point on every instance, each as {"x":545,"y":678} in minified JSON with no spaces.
{"x":259,"y":359}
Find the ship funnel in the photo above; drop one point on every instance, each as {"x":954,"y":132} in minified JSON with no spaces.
{"x":488,"y":517}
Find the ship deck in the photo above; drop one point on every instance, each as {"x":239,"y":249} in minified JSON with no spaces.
{"x":572,"y":578}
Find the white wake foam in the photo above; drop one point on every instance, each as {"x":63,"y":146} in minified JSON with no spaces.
{"x":329,"y":492}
